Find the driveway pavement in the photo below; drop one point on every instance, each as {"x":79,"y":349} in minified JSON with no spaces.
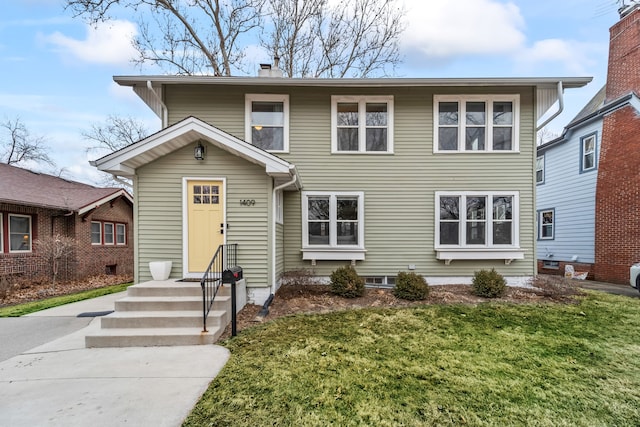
{"x":611,"y":288}
{"x":61,"y":383}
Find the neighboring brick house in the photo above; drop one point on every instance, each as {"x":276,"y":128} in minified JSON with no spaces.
{"x":588,"y":193}
{"x":37,"y":206}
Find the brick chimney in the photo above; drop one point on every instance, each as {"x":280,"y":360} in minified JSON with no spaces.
{"x":617,"y":237}
{"x":623,"y":73}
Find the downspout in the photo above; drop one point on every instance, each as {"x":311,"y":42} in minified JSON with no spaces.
{"x":265,"y":307}
{"x":560,"y":107}
{"x":165,"y":115}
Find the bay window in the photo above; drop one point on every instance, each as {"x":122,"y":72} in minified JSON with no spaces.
{"x":476,"y":123}
{"x":362,"y":124}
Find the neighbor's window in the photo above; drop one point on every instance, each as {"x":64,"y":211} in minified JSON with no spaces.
{"x":121,"y":234}
{"x":588,"y":153}
{"x":476,"y":219}
{"x":333,"y":220}
{"x":476,"y":123}
{"x":540,"y":169}
{"x":279,"y":206}
{"x":267,"y":121}
{"x":96,"y":233}
{"x":546,"y":219}
{"x":1,"y":234}
{"x":362,"y":124}
{"x":19,"y":233}
{"x":108,"y":233}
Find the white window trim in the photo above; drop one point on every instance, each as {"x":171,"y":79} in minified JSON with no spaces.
{"x":91,"y":233}
{"x":489,"y":99}
{"x":478,"y":252}
{"x":332,"y":251}
{"x":542,"y":158}
{"x":280,"y":207}
{"x":1,"y":233}
{"x":113,"y":233}
{"x":362,"y":123}
{"x":30,"y":233}
{"x":541,"y":225}
{"x":584,"y":153}
{"x":124,"y":226}
{"x":261,"y":97}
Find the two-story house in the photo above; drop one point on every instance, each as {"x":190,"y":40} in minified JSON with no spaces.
{"x":434,"y":176}
{"x":588,"y":200}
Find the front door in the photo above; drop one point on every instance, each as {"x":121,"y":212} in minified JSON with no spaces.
{"x":205,"y":217}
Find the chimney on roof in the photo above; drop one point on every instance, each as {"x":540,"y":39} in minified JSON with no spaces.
{"x":267,"y":70}
{"x":624,"y":53}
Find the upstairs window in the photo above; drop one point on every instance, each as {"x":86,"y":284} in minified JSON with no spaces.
{"x":267,"y":121}
{"x":362,"y":124}
{"x":588,"y":153}
{"x":476,"y":123}
{"x":19,"y":233}
{"x":540,"y":169}
{"x":476,"y":220}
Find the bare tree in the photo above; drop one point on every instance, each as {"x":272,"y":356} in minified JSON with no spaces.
{"x":357,"y":38}
{"x":314,"y":38}
{"x":546,"y":135}
{"x":55,"y":249}
{"x":115,"y":133}
{"x":19,"y":146}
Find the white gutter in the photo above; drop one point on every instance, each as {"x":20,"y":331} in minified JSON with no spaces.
{"x":560,"y":107}
{"x":273,"y":230}
{"x":165,"y":118}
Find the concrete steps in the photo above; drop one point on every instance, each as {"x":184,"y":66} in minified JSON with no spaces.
{"x":162,"y":313}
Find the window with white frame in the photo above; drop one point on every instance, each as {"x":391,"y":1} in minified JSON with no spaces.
{"x":588,"y":153}
{"x":280,"y":206}
{"x":333,"y":220}
{"x":1,"y":233}
{"x":267,"y":121}
{"x":540,"y":169}
{"x":108,"y":233}
{"x":96,"y":233}
{"x":362,"y":124}
{"x":546,"y":220}
{"x":477,"y":220}
{"x":20,"y":233}
{"x":476,"y":123}
{"x":121,"y":234}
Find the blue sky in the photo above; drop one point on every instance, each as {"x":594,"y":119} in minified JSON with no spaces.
{"x":57,"y":71}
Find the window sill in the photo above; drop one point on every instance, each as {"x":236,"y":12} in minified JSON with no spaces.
{"x":508,"y":255}
{"x":372,"y":153}
{"x":333,"y":254}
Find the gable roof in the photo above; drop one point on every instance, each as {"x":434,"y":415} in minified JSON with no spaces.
{"x":24,"y":187}
{"x":125,"y":161}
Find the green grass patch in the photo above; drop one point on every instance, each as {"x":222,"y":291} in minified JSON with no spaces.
{"x":31,"y":307}
{"x":491,"y":364}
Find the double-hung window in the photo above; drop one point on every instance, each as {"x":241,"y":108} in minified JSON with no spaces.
{"x":108,"y":233}
{"x":121,"y":234}
{"x":477,"y":225}
{"x":588,"y":153}
{"x":546,"y":219}
{"x":267,"y":121}
{"x":476,"y":123}
{"x":540,"y":169}
{"x":333,"y":225}
{"x":96,"y":233}
{"x":19,"y":233}
{"x":362,"y":124}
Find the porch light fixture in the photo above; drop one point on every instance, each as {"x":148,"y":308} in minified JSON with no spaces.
{"x":198,"y":152}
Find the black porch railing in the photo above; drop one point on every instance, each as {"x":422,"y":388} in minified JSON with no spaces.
{"x":226,"y":256}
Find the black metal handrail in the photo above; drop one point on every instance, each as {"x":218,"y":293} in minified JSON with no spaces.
{"x":226,"y":256}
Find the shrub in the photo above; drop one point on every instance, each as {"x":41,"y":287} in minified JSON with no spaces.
{"x":411,"y":286}
{"x":346,"y":282}
{"x":488,"y":283}
{"x":555,"y":287}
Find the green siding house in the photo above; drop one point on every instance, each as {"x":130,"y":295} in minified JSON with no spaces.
{"x":435,"y":176}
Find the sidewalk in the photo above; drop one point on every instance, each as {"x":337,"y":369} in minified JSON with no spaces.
{"x":62,"y":383}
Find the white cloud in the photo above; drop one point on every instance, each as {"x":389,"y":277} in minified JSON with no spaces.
{"x":567,"y":56}
{"x":446,"y":29}
{"x":107,"y":43}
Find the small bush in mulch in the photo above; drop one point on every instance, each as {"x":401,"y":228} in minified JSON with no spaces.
{"x":488,"y":283}
{"x":410,"y":286}
{"x":346,"y":282}
{"x":555,"y":287}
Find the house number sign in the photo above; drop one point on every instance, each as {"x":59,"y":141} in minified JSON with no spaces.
{"x":247,"y":202}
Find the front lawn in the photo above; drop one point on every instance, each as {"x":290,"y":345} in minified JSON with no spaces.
{"x":486,"y":364}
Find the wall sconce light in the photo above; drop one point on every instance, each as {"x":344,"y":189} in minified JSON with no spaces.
{"x":198,"y":152}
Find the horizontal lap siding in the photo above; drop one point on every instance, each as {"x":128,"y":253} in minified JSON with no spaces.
{"x":159,"y":204}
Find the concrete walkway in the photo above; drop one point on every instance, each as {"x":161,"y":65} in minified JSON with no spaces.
{"x":62,"y":383}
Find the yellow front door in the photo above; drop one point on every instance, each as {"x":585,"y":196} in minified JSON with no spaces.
{"x":205,"y":208}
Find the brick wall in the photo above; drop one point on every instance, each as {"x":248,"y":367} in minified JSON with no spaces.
{"x":577,"y":267}
{"x":624,"y":56}
{"x":96,"y":259}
